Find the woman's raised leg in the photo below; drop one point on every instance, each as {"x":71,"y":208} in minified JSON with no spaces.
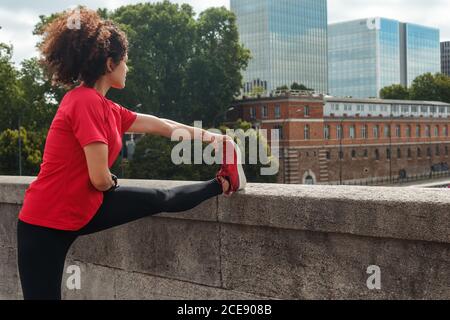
{"x":126,"y":204}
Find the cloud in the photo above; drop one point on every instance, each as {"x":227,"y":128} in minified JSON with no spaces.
{"x":18,"y":17}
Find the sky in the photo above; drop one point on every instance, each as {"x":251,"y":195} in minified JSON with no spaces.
{"x":18,"y":17}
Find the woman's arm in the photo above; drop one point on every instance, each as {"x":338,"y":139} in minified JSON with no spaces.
{"x":145,"y":123}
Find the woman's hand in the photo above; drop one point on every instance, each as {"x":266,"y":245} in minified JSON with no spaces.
{"x":215,"y":139}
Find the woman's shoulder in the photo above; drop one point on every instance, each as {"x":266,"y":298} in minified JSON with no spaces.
{"x":85,"y":94}
{"x":80,"y":97}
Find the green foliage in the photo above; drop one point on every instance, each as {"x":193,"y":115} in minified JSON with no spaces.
{"x":429,"y":87}
{"x":426,"y":87}
{"x":152,"y":160}
{"x":256,"y":91}
{"x":31,"y":153}
{"x":294,"y":86}
{"x":396,"y":92}
{"x":10,"y":92}
{"x":181,"y":68}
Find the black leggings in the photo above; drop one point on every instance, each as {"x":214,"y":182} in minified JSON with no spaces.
{"x":42,"y":251}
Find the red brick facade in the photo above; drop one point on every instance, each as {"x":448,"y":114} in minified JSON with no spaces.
{"x":305,"y":151}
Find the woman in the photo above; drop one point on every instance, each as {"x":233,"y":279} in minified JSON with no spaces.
{"x":75,"y":194}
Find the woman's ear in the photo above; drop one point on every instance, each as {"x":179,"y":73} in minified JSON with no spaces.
{"x":110,"y":65}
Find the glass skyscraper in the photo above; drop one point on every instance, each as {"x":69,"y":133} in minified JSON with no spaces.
{"x":287,"y":40}
{"x":368,"y":54}
{"x":445,"y":57}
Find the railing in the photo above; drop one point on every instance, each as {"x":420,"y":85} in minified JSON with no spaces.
{"x":383,"y":181}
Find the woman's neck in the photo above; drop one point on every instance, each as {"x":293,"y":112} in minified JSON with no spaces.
{"x":102,"y":87}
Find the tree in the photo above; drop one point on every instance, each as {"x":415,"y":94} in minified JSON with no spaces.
{"x":40,"y":99}
{"x":10,"y":93}
{"x":253,"y":171}
{"x":395,"y":91}
{"x":256,"y":91}
{"x":214,"y":74}
{"x":296,"y":86}
{"x":283,"y":87}
{"x":152,"y":160}
{"x":429,"y":87}
{"x":31,"y":156}
{"x":181,"y":68}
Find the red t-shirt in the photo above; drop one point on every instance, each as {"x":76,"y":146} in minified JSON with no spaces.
{"x":62,"y":197}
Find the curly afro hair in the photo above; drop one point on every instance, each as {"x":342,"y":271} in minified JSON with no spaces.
{"x":78,"y":52}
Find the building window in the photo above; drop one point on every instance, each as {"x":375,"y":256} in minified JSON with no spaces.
{"x":438,"y":150}
{"x":377,"y":154}
{"x":252,"y":113}
{"x":326,"y":132}
{"x":341,"y":155}
{"x":446,"y":150}
{"x":428,"y":131}
{"x":428,"y":152}
{"x":306,"y":132}
{"x":408,"y":131}
{"x":280,"y":131}
{"x":366,"y":153}
{"x":418,"y":133}
{"x":419,"y":153}
{"x":388,"y":154}
{"x":353,"y":154}
{"x":445,"y":133}
{"x":405,"y":109}
{"x":339,"y":131}
{"x":398,"y":131}
{"x":277,"y":111}
{"x":347,"y":107}
{"x":376,"y":131}
{"x":395,"y":108}
{"x":306,"y":111}
{"x":399,"y":153}
{"x":364,"y":132}
{"x":409,"y":153}
{"x":387,"y":131}
{"x":352,"y":132}
{"x":436,"y":131}
{"x":264,"y":111}
{"x":328,"y":155}
{"x":414,"y":109}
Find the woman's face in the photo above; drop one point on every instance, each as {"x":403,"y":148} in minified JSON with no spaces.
{"x":118,"y":76}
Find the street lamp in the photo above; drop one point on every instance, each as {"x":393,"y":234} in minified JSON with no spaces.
{"x":221,"y":114}
{"x":20,"y":149}
{"x":124,"y":142}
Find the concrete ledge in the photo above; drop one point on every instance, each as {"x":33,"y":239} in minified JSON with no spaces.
{"x":269,"y":241}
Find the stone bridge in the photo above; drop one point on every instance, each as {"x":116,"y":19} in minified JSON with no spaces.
{"x":270,"y":241}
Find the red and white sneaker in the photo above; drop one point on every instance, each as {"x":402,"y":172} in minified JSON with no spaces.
{"x":232,"y":167}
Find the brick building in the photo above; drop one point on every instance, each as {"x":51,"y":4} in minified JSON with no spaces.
{"x":326,"y":140}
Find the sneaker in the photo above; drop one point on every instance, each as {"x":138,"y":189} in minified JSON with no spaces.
{"x":232,"y":167}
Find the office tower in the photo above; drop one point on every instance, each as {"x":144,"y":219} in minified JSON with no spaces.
{"x":367,"y":55}
{"x":288,"y":42}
